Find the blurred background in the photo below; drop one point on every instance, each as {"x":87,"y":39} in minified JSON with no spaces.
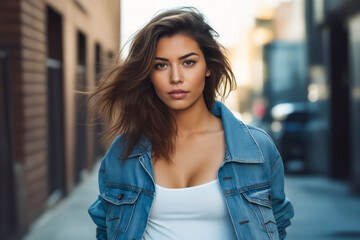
{"x":297,"y":64}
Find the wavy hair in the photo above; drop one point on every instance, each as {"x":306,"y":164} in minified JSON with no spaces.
{"x":126,"y":97}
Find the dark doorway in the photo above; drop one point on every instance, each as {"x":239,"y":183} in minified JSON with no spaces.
{"x":81,"y":107}
{"x":340,"y":120}
{"x":55,"y":82}
{"x":354,"y":51}
{"x":7,"y":199}
{"x":99,"y":150}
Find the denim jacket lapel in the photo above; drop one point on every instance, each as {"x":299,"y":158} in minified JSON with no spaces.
{"x":240,"y":144}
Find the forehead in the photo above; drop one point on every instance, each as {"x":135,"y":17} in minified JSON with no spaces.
{"x":176,"y":45}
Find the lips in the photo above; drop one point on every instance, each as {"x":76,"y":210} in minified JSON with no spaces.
{"x":178,"y":93}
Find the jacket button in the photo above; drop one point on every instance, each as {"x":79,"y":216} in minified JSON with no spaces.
{"x":121,"y":196}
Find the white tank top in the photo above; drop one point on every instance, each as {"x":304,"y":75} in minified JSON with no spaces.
{"x":197,"y":212}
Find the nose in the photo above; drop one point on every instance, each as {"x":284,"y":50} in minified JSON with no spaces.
{"x":176,"y":75}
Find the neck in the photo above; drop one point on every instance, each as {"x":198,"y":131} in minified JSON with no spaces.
{"x":195,"y":119}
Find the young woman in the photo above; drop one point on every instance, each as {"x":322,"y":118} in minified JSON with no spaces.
{"x":181,"y":165}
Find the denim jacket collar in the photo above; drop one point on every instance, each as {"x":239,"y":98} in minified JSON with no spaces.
{"x":240,"y":144}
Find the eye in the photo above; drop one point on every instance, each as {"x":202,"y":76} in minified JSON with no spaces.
{"x":160,"y":65}
{"x":189,"y":62}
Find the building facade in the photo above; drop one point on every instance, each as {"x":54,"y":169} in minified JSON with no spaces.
{"x":50,"y":51}
{"x":312,"y":65}
{"x":333,"y":40}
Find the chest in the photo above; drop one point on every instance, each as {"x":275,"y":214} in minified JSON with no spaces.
{"x":195,"y":161}
{"x":244,"y":188}
{"x":177,"y":211}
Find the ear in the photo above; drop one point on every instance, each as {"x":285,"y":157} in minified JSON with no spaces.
{"x":208,"y":73}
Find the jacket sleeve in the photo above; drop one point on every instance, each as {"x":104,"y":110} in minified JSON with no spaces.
{"x":97,"y":210}
{"x":282,"y":207}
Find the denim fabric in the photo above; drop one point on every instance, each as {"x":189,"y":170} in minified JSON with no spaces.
{"x":251,"y":177}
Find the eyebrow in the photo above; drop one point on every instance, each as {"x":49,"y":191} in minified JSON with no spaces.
{"x":180,"y":58}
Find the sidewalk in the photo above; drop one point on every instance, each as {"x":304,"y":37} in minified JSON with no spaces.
{"x":69,"y":219}
{"x":324,"y":210}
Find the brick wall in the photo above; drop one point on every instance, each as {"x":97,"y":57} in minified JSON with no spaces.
{"x":33,"y":93}
{"x":23,"y":33}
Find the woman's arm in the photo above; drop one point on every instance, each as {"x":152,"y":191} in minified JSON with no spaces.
{"x":97,"y":210}
{"x":282,"y":207}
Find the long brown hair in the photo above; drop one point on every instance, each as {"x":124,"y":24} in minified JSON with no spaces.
{"x":126,"y":97}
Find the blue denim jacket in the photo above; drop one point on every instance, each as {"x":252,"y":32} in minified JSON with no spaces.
{"x":251,"y":178}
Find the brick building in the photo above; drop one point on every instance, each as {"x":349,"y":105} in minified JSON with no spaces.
{"x":49,"y":50}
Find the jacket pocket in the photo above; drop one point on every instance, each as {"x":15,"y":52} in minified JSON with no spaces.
{"x":121,"y":204}
{"x":260,"y":201}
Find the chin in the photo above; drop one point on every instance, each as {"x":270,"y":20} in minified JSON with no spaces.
{"x":178,"y":106}
{"x":181,"y":104}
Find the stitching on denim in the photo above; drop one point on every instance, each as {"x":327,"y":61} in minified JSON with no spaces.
{"x":275,"y":163}
{"x":253,"y":206}
{"x":258,"y":203}
{"x":244,"y":161}
{"x":119,"y":229}
{"x":266,"y":227}
{"x":130,"y":187}
{"x":262,"y":156}
{"x":115,"y":230}
{"x":132,"y":213}
{"x":248,"y":188}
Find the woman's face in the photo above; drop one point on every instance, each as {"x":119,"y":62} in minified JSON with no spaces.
{"x":179,"y":72}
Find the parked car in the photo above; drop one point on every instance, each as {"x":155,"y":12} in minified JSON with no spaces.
{"x":289,"y":128}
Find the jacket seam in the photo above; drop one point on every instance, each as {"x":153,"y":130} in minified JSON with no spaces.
{"x":130,"y":187}
{"x":259,"y":130}
{"x":275,"y":163}
{"x":247,"y":128}
{"x":248,"y":188}
{"x":268,"y":136}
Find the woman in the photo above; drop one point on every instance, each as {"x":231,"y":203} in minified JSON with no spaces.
{"x":181,"y":165}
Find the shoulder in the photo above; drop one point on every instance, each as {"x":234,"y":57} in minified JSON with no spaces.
{"x":107,"y":162}
{"x":118,"y":147}
{"x":115,"y":148}
{"x":112,"y":155}
{"x":264,"y":142}
{"x":260,"y":135}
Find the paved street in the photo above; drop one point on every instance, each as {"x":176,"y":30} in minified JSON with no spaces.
{"x":69,"y":219}
{"x":324,"y":210}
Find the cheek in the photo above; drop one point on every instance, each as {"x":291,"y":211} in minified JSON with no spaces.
{"x":199,"y":78}
{"x":160,"y":87}
{"x":156,"y":88}
{"x":155,"y":80}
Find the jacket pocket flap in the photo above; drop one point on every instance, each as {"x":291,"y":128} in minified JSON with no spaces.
{"x":260,"y":197}
{"x":119,"y":196}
